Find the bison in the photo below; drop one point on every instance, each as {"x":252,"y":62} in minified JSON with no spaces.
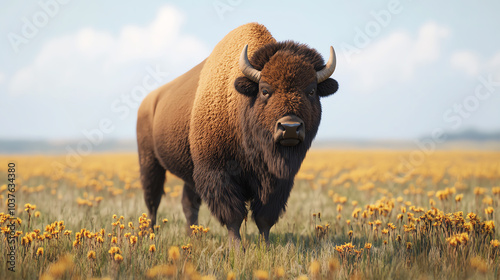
{"x":235,"y":129}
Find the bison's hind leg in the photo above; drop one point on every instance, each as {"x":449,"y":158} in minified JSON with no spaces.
{"x":152,"y":178}
{"x":191,"y":202}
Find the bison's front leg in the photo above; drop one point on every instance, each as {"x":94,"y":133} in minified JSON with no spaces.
{"x":224,"y":197}
{"x":264,"y":219}
{"x":264,"y":224}
{"x":266,"y":213}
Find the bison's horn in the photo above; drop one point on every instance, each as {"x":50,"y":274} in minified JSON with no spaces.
{"x":247,"y":68}
{"x":326,"y":72}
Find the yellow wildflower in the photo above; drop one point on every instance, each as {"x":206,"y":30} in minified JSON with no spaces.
{"x":161,"y":270}
{"x":39,"y":252}
{"x":261,"y":274}
{"x":118,"y":258}
{"x":279,"y":272}
{"x":133,"y":240}
{"x":152,"y":248}
{"x":315,"y":268}
{"x":231,"y":276}
{"x":173,"y":253}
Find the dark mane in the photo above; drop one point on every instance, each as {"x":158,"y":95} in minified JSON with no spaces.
{"x":264,"y":54}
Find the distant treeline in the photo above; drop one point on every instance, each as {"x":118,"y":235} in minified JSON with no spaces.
{"x":466,"y":139}
{"x":62,"y":147}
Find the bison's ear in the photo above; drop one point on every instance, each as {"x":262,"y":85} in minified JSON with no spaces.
{"x":327,"y":87}
{"x":245,"y":86}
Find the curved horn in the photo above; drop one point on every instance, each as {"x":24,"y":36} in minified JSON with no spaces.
{"x":247,"y":68}
{"x":326,"y":72}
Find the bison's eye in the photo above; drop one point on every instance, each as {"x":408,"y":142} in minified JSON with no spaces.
{"x":312,"y":91}
{"x":265,"y":90}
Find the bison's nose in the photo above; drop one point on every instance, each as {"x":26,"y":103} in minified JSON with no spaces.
{"x":289,"y":131}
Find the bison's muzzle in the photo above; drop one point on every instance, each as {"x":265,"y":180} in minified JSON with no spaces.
{"x":289,"y":131}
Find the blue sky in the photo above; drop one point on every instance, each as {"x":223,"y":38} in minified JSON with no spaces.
{"x":405,"y":68}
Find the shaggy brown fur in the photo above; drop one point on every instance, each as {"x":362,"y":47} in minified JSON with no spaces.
{"x":213,"y":128}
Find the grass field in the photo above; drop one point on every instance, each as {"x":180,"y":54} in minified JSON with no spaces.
{"x":351,"y":215}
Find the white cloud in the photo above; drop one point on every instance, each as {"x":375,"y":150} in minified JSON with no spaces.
{"x":395,"y":57}
{"x":2,"y":78}
{"x":428,"y":44}
{"x":473,"y":65}
{"x":465,"y":61}
{"x":93,"y":61}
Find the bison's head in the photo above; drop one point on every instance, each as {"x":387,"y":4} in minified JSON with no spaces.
{"x":286,"y":83}
{"x":283,"y":83}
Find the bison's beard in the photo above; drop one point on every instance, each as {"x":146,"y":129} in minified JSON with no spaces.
{"x":264,"y":154}
{"x":274,"y":165}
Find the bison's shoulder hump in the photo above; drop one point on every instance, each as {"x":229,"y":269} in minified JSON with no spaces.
{"x":221,"y":68}
{"x":216,"y":101}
